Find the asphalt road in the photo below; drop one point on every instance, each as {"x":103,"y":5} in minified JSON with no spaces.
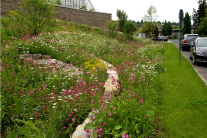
{"x":200,"y":68}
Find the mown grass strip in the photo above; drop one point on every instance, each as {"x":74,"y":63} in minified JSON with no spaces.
{"x":183,"y":98}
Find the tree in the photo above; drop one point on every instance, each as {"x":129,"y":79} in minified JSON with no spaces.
{"x":175,"y":27}
{"x":203,"y":26}
{"x":122,"y":17}
{"x":201,"y":10}
{"x":112,"y":26}
{"x":187,"y":24}
{"x":156,"y":32}
{"x":151,"y":16}
{"x":195,"y":19}
{"x":167,"y":28}
{"x":38,"y":13}
{"x":129,"y":29}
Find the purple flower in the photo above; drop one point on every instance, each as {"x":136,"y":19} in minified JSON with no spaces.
{"x":92,"y":117}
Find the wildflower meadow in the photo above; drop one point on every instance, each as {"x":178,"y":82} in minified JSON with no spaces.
{"x":46,"y":102}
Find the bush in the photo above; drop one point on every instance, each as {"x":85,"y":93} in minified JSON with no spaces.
{"x":112,"y":26}
{"x":13,"y":13}
{"x":38,"y":14}
{"x":129,"y":29}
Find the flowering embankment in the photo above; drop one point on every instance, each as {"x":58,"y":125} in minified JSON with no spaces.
{"x":36,"y":101}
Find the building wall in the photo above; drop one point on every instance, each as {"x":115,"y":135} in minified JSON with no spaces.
{"x":79,"y":16}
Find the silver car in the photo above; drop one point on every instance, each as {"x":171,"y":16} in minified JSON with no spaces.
{"x":188,"y":38}
{"x":198,"y":50}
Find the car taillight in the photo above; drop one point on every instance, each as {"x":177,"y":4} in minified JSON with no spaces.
{"x":185,"y":41}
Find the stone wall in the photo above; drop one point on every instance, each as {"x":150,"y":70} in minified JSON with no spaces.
{"x":79,"y":16}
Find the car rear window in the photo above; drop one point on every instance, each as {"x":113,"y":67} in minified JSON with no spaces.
{"x":192,"y":36}
{"x":202,"y":42}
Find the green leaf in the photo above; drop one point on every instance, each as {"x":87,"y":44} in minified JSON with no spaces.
{"x":88,"y":126}
{"x":137,"y":131}
{"x":100,"y":120}
{"x":116,"y":135}
{"x":117,"y":127}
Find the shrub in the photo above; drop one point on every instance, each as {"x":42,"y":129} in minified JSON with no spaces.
{"x":38,"y":13}
{"x":13,"y":13}
{"x":129,"y":29}
{"x":112,"y":26}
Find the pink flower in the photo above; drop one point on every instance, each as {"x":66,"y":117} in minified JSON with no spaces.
{"x":114,"y":107}
{"x":110,"y":114}
{"x":88,"y":130}
{"x":127,"y":136}
{"x":87,"y":135}
{"x":56,"y":131}
{"x":141,"y":100}
{"x":123,"y":135}
{"x":100,"y":101}
{"x":73,"y":120}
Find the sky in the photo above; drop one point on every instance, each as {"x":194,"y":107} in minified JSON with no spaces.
{"x":136,"y":9}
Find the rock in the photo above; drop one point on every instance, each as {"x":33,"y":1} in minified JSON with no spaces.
{"x":111,"y":85}
{"x":27,"y":55}
{"x":37,"y":56}
{"x":46,"y":57}
{"x":6,"y":46}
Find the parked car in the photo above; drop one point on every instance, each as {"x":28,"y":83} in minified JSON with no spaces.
{"x":198,"y":50}
{"x":161,"y":38}
{"x":188,"y":38}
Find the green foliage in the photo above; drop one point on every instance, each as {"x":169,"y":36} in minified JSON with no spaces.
{"x":38,"y":14}
{"x":4,"y":34}
{"x":58,"y":2}
{"x":156,"y":33}
{"x":84,"y":7}
{"x":187,"y":24}
{"x":176,"y":27}
{"x":203,"y":27}
{"x":112,"y":27}
{"x":129,"y":29}
{"x":122,"y":17}
{"x":13,"y":13}
{"x":167,"y":28}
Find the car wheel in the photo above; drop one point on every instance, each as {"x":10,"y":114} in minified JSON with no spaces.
{"x":194,"y":60}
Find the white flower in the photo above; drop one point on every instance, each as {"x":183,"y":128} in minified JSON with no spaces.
{"x":31,"y":118}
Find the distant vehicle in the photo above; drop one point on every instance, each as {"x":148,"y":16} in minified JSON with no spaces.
{"x":161,"y":38}
{"x":188,"y":38}
{"x":198,"y":50}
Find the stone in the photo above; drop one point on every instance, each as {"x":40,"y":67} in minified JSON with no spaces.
{"x":46,"y":57}
{"x":6,"y":46}
{"x":109,"y":86}
{"x":27,"y":55}
{"x":37,"y":56}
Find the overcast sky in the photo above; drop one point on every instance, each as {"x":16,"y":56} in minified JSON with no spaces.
{"x":166,"y":9}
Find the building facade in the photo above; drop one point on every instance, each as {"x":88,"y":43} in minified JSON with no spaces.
{"x":78,"y":4}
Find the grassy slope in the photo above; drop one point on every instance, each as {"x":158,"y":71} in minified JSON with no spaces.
{"x":183,"y":99}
